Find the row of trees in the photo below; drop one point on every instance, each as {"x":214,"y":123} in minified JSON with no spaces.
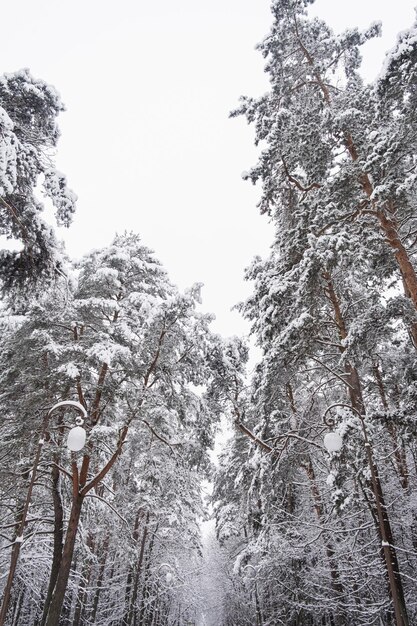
{"x":109,"y":534}
{"x":112,"y":532}
{"x":314,"y":537}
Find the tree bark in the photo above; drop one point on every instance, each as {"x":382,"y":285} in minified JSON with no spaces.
{"x":58,"y":537}
{"x":384,"y":526}
{"x":387,"y":542}
{"x":145,"y":592}
{"x":58,"y":595}
{"x":131,"y":573}
{"x":387,"y":224}
{"x":352,"y":376}
{"x":19,"y":531}
{"x":408,"y":273}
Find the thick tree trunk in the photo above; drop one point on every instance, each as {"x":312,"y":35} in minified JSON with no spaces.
{"x":408,"y":273}
{"x":387,"y":224}
{"x":387,"y":543}
{"x":384,"y":526}
{"x":58,"y":537}
{"x":80,"y":490}
{"x":389,"y":227}
{"x":58,"y":595}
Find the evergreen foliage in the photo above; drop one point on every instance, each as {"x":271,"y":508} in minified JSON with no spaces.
{"x":29,"y":134}
{"x":317,"y":537}
{"x":121,"y":340}
{"x":306,"y":534}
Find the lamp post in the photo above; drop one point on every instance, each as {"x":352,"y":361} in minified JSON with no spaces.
{"x":168,"y":572}
{"x":76,"y":437}
{"x":333,"y":443}
{"x":254,"y":579}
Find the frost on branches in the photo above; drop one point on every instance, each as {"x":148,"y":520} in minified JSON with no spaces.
{"x":314,"y":497}
{"x":28,"y":137}
{"x":334,"y":309}
{"x":121,"y":340}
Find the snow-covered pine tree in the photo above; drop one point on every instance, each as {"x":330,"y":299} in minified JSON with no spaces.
{"x":334,"y":143}
{"x":127,"y":345}
{"x":29,"y":133}
{"x":343,"y":204}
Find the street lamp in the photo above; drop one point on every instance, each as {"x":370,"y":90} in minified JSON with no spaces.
{"x":167,"y":569}
{"x":333,"y":442}
{"x":254,"y":580}
{"x":77,"y":435}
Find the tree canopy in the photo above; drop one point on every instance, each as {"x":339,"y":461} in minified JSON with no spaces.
{"x":29,"y":134}
{"x":314,"y":498}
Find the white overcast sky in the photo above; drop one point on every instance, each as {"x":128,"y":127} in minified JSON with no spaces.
{"x":146,"y":140}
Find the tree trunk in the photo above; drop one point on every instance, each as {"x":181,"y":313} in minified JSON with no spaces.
{"x":131,"y":572}
{"x":318,"y":507}
{"x":58,"y":595}
{"x":259,"y":617}
{"x":387,"y":541}
{"x":14,"y":558}
{"x":389,"y":228}
{"x":352,"y":376}
{"x":384,"y":526}
{"x":58,"y":537}
{"x":387,"y":224}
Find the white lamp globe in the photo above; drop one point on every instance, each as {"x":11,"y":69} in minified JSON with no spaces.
{"x":333,"y":442}
{"x":76,"y":439}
